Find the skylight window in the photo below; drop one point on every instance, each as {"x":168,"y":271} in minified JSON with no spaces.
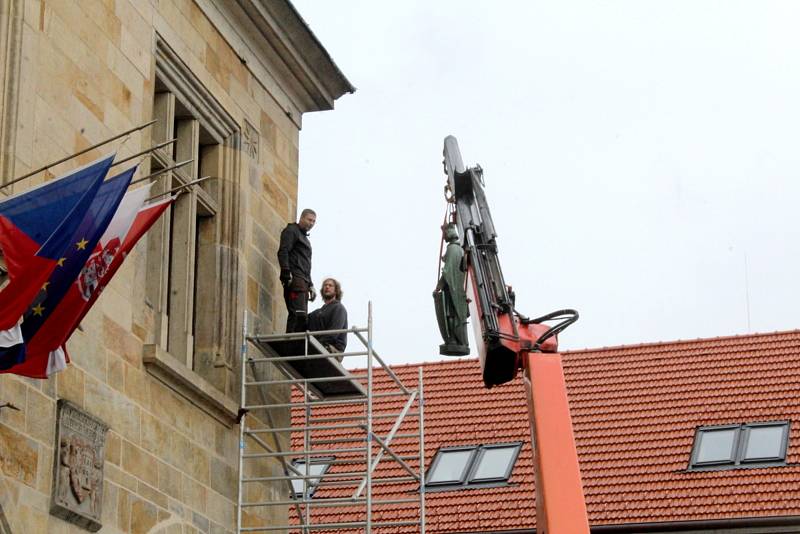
{"x":729,"y":446}
{"x":316,"y":468}
{"x":716,"y":445}
{"x":450,"y":466}
{"x":494,"y":463}
{"x":766,"y":442}
{"x":472,"y":466}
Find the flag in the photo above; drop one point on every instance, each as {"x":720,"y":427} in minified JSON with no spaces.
{"x":35,"y":228}
{"x":46,"y":353}
{"x":82,"y":243}
{"x":145,"y":217}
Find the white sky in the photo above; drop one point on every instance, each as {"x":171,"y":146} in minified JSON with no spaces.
{"x":635,"y":153}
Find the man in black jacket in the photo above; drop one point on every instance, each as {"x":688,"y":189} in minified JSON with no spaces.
{"x":331,"y":316}
{"x":294,"y":258}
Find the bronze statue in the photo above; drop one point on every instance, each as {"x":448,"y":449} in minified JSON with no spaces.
{"x":450,"y":298}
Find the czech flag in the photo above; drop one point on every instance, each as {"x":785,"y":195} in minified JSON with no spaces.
{"x":35,"y":231}
{"x":45,"y":351}
{"x":82,"y":242}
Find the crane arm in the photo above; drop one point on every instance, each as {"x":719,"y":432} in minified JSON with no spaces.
{"x":507,"y":341}
{"x":502,"y":334}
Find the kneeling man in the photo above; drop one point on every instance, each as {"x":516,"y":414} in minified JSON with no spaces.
{"x":331,"y":316}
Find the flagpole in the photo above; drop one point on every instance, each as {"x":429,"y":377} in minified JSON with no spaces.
{"x":184,"y":186}
{"x":162,"y":171}
{"x":143,"y":152}
{"x":76,"y":154}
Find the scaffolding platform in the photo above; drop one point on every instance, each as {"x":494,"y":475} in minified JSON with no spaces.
{"x":307,"y":359}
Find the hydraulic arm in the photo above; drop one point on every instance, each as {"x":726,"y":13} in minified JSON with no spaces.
{"x":508,"y":341}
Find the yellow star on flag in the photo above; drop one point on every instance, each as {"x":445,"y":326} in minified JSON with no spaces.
{"x":61,"y":261}
{"x":38,"y":309}
{"x":44,"y":286}
{"x":81,"y":244}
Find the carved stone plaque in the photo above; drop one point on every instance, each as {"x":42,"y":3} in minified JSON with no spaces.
{"x":78,"y":467}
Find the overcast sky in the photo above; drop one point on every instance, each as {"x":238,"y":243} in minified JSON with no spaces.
{"x":641,"y":161}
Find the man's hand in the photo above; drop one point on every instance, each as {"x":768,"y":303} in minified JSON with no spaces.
{"x":286,"y":277}
{"x":312,"y":294}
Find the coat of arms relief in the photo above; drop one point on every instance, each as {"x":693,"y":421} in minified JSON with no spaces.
{"x":78,"y":467}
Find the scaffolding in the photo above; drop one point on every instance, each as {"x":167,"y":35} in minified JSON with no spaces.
{"x":307,"y":424}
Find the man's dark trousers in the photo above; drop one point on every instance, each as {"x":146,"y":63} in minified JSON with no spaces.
{"x":295,"y":293}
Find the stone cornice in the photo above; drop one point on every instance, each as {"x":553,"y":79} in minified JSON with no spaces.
{"x":277,"y":45}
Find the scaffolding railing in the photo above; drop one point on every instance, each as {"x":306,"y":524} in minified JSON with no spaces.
{"x":306,"y":416}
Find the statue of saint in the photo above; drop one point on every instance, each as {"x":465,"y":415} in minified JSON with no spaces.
{"x":450,"y":298}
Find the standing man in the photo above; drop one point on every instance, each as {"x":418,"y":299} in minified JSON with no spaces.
{"x":294,"y":258}
{"x":331,"y":316}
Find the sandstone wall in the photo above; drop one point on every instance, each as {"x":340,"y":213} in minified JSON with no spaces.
{"x":87,"y":71}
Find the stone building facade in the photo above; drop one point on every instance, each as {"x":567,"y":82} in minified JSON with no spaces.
{"x":156,"y":360}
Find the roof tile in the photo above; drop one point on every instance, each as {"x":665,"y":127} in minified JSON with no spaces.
{"x":635,"y":410}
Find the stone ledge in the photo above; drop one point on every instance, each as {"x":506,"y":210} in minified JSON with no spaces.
{"x":175,"y":375}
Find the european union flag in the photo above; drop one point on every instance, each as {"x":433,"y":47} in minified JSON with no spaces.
{"x":80,"y":245}
{"x":35,"y":228}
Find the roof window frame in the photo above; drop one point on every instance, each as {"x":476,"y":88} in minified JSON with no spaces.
{"x":467,"y":479}
{"x":739,"y":447}
{"x":476,"y":462}
{"x":437,"y":458}
{"x":784,"y":446}
{"x":299,"y":465}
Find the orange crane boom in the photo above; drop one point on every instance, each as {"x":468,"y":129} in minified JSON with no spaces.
{"x":508,"y":341}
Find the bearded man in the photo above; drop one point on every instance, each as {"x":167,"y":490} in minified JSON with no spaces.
{"x":331,"y":316}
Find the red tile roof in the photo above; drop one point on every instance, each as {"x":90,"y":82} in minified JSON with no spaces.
{"x":635,"y":410}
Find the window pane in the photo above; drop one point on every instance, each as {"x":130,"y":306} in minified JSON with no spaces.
{"x":313,"y":469}
{"x":764,"y":442}
{"x":450,"y":466}
{"x":494,"y":463}
{"x":716,"y":445}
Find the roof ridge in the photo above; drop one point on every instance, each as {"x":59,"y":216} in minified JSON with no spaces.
{"x":456,"y":360}
{"x":754,"y":335}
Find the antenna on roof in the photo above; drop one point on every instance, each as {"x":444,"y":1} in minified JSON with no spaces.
{"x":747,"y":292}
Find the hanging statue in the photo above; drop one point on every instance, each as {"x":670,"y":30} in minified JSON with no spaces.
{"x":450,"y":299}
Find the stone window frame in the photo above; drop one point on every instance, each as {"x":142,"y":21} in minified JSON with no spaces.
{"x":205,"y":221}
{"x":11,"y":31}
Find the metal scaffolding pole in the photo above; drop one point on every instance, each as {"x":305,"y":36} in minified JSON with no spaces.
{"x":242,"y":423}
{"x":370,"y":435}
{"x":421,"y":452}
